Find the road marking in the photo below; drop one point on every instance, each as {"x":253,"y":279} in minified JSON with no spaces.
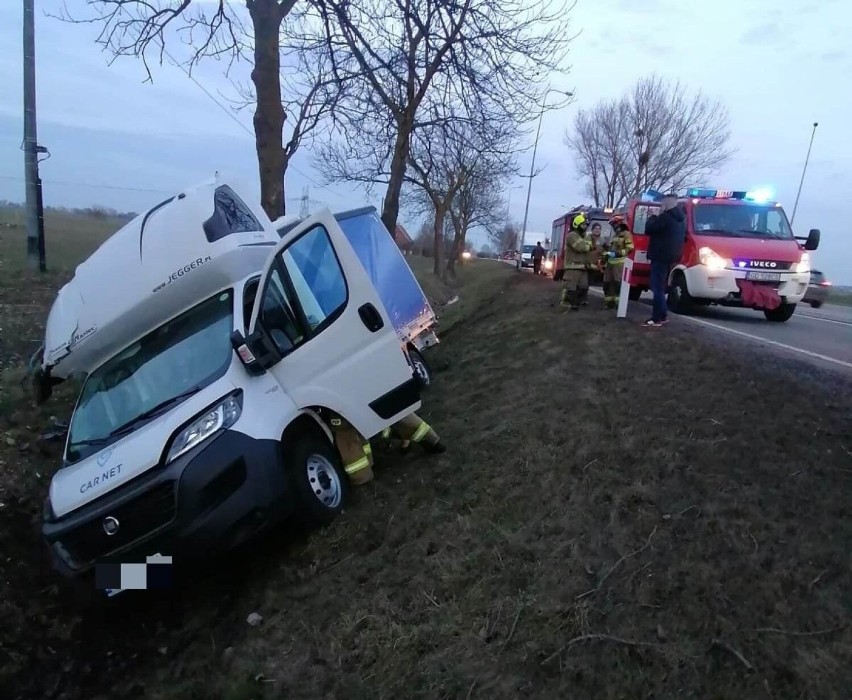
{"x":827,"y":320}
{"x":750,"y":336}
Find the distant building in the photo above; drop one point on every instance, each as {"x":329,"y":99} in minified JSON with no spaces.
{"x":403,"y":239}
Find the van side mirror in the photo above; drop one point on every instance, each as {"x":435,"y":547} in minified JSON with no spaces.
{"x":255,"y":354}
{"x":813,"y":239}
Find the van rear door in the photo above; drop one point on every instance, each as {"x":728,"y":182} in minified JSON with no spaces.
{"x":333,"y":343}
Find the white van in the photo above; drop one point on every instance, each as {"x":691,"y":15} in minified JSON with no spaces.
{"x":215,"y":355}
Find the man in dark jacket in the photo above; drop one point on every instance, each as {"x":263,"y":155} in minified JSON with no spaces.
{"x":667,"y":233}
{"x":537,"y":256}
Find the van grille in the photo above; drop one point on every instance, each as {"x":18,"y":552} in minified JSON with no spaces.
{"x":136,"y":518}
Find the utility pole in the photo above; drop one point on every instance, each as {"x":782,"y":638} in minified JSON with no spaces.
{"x":305,"y":208}
{"x":35,"y":208}
{"x":804,"y":170}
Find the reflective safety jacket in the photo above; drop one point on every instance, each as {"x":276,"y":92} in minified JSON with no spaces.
{"x":622,"y":245}
{"x":578,"y":250}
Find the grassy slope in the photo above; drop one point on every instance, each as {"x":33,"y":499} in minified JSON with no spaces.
{"x":595,"y":498}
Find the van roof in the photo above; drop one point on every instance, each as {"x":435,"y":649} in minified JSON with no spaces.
{"x":161,"y":263}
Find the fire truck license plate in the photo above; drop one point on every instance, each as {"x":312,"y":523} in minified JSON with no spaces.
{"x":759,"y":276}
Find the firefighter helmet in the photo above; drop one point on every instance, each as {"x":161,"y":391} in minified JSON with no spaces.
{"x":578,"y":221}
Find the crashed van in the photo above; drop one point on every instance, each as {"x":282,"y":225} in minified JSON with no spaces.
{"x":215,"y":354}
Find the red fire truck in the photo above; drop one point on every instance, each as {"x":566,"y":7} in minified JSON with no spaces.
{"x":740,"y":251}
{"x":555,"y":262}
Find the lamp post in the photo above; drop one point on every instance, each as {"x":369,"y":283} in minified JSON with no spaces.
{"x":532,"y":174}
{"x":804,"y":170}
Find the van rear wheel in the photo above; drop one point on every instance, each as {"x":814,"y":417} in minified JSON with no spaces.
{"x":318,"y":479}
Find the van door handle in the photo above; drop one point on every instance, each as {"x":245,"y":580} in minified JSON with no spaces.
{"x":371,"y":317}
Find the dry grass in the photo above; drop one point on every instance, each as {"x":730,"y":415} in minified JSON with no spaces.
{"x":642,"y":515}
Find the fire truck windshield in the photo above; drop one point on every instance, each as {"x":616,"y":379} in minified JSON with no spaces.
{"x":741,"y":221}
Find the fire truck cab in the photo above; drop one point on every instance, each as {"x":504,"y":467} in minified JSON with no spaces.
{"x":740,"y":251}
{"x":556,"y":255}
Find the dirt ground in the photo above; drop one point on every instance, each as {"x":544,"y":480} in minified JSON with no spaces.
{"x":622,"y":513}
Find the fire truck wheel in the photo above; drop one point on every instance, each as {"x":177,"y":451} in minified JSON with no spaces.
{"x":679,"y":300}
{"x":635,"y":293}
{"x":780,"y":315}
{"x":421,"y":369}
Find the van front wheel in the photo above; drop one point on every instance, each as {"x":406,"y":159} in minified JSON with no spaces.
{"x":319,"y":481}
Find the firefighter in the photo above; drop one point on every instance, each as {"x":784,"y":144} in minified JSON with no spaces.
{"x":357,"y":453}
{"x":617,"y":250}
{"x":413,"y":429}
{"x":579,"y":249}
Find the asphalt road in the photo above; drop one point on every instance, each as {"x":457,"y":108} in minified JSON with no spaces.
{"x":822,"y":336}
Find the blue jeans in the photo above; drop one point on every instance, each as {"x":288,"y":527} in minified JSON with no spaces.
{"x":659,"y":286}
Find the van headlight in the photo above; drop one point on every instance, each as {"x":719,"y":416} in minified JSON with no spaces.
{"x":204,"y":426}
{"x":712,"y":259}
{"x":804,"y":264}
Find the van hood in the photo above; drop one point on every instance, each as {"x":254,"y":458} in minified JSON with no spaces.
{"x":128,"y":458}
{"x":737,"y":249}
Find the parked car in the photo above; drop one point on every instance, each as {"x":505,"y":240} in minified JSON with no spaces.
{"x":526,"y":256}
{"x":818,"y":289}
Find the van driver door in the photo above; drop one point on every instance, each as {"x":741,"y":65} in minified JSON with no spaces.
{"x":331,"y":340}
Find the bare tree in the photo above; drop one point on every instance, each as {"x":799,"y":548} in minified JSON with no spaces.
{"x":218,"y":30}
{"x":479,"y":201}
{"x":489,"y":55}
{"x":457,"y":165}
{"x":657,"y":136}
{"x":506,"y":237}
{"x":311,"y":94}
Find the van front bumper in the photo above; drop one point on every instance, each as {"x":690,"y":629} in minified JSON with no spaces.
{"x":721,"y":285}
{"x":209,"y":500}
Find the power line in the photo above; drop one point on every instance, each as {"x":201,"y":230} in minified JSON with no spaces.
{"x":86,"y":184}
{"x":233,"y":116}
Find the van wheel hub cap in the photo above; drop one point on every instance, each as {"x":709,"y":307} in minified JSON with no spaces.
{"x":324,"y":481}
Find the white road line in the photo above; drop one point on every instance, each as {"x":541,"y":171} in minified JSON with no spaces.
{"x":750,"y":336}
{"x":827,"y":320}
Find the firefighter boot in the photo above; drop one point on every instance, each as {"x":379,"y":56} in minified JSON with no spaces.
{"x":413,"y":428}
{"x":357,"y":455}
{"x":563,"y":300}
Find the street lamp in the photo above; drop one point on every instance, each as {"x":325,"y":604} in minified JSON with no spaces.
{"x":532,"y":173}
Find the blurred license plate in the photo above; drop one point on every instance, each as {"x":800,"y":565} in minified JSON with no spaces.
{"x":758,"y":276}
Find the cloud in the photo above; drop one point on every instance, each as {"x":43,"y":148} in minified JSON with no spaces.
{"x":834,"y":56}
{"x":766,"y":33}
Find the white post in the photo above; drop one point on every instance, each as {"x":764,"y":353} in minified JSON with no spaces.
{"x":624,"y":296}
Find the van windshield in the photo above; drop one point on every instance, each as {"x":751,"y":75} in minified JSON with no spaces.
{"x":742,"y":221}
{"x":153,"y":375}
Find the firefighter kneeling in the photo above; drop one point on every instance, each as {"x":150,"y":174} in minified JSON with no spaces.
{"x":617,"y":250}
{"x":357,"y":454}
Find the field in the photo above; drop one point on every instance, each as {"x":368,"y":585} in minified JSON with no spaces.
{"x":620,"y":515}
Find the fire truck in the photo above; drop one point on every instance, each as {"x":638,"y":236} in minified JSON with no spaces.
{"x":740,"y":251}
{"x":555,"y":262}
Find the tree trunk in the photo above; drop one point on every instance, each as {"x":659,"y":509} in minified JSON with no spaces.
{"x":457,"y":247}
{"x":390,"y":207}
{"x":438,"y":242}
{"x":269,"y":113}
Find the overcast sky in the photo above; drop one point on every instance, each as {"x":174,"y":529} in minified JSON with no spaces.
{"x":118,"y":141}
